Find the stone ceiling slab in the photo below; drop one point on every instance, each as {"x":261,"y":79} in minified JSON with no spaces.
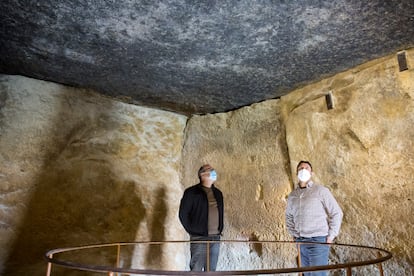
{"x":196,"y":57}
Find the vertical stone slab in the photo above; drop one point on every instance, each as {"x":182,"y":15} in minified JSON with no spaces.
{"x":363,"y":151}
{"x":247,"y":149}
{"x":78,"y":168}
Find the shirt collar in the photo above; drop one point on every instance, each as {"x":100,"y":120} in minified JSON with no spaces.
{"x":308,"y":185}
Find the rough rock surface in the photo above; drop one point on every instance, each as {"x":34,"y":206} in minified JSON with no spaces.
{"x":362,"y":150}
{"x":248,"y":150}
{"x":78,"y":169}
{"x":197,"y":56}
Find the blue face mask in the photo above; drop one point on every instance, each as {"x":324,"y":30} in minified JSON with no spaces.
{"x":213,"y":175}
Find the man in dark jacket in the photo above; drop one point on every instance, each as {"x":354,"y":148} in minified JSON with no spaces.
{"x":201,"y":214}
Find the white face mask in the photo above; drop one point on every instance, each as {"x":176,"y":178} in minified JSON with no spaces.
{"x":304,"y":175}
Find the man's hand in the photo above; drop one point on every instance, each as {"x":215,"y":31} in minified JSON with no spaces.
{"x":329,"y":240}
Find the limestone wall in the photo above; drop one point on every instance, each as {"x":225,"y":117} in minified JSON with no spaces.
{"x":77,"y":168}
{"x":362,"y":150}
{"x":248,"y":150}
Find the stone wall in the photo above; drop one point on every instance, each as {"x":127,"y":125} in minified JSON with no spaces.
{"x":362,"y":150}
{"x":248,"y":150}
{"x":77,"y":168}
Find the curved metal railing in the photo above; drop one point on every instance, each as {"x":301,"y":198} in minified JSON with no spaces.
{"x":112,"y":257}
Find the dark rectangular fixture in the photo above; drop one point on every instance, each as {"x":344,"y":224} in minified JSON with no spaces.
{"x":329,"y":101}
{"x":402,"y":61}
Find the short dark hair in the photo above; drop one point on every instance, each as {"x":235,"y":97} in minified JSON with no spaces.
{"x":304,"y":162}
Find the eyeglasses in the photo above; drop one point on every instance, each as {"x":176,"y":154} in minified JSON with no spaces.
{"x":204,"y":170}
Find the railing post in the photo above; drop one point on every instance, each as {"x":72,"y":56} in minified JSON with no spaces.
{"x":299,"y":260}
{"x":118,"y":256}
{"x":380,"y":265}
{"x":208,"y":256}
{"x":49,"y":266}
{"x":349,"y":271}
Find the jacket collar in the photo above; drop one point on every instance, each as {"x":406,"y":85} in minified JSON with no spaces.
{"x":308,"y":185}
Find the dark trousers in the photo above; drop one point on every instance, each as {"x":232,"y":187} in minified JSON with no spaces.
{"x":198,"y":249}
{"x":314,"y":254}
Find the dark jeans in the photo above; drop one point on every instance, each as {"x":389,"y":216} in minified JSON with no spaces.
{"x":314,"y":254}
{"x":198,"y":250}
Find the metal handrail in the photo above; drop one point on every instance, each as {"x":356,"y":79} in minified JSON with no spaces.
{"x":50,"y":257}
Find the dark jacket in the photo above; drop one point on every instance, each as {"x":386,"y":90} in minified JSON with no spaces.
{"x":193,"y":212}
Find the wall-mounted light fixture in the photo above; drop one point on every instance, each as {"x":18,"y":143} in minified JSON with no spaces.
{"x":329,"y":100}
{"x":402,"y":61}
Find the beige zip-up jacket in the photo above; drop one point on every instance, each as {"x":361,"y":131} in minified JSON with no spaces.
{"x":313,"y":212}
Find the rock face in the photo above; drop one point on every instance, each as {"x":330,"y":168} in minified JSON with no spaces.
{"x":362,"y":150}
{"x":248,"y":150}
{"x":77,"y":168}
{"x":197,"y":57}
{"x":81,"y":169}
